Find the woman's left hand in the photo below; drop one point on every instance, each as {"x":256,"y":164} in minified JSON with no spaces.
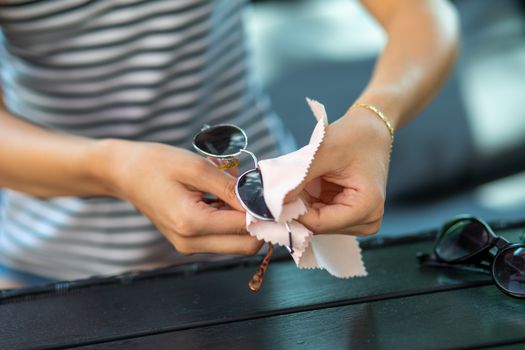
{"x":352,"y":163}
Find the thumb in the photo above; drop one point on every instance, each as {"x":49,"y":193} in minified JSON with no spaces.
{"x":317,"y":168}
{"x":207,"y":178}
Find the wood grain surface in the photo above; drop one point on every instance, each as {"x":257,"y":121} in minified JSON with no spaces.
{"x":465,"y":318}
{"x":398,"y":304}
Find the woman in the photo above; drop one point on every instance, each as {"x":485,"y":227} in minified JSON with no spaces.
{"x":102,"y":99}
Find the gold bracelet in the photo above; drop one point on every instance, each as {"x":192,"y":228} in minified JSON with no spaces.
{"x":380,"y":114}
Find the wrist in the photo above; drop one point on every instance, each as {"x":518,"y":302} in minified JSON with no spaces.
{"x":388,"y":101}
{"x":368,"y":129}
{"x":104,"y":163}
{"x":376,"y":111}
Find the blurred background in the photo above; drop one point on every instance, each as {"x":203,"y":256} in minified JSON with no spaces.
{"x":464,"y":154}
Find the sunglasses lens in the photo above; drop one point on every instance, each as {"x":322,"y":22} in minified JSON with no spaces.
{"x":221,"y":140}
{"x":250,"y":190}
{"x":509,"y":270}
{"x":463,"y":238}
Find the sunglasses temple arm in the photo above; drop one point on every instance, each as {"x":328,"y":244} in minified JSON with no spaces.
{"x":257,"y":279}
{"x":470,"y":268}
{"x":255,"y":161}
{"x":290,"y":245}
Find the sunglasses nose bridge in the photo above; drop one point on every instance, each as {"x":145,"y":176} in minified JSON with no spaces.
{"x":501,"y":243}
{"x":255,"y":161}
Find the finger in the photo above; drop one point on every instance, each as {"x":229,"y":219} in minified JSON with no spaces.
{"x":332,"y":218}
{"x":217,"y":162}
{"x":232,"y":244}
{"x":202,"y":219}
{"x":308,"y":199}
{"x":329,"y":190}
{"x":225,"y":222}
{"x":360,"y":230}
{"x":204,"y":176}
{"x":233,"y":171}
{"x":317,"y":169}
{"x":230,"y":166}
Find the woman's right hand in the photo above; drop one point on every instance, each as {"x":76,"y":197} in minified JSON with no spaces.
{"x":166,"y":184}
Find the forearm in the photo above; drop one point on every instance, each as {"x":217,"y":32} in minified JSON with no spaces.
{"x":420,"y":51}
{"x":164,"y":183}
{"x":47,"y":164}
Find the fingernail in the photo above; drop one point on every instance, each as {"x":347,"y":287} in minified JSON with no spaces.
{"x":290,"y":197}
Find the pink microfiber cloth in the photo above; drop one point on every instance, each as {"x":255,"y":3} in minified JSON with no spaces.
{"x":340,"y":255}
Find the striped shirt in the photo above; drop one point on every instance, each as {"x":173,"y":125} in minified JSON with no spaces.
{"x":148,"y":70}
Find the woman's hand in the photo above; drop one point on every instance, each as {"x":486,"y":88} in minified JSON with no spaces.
{"x":422,"y":44}
{"x":167,"y":183}
{"x":352,"y":164}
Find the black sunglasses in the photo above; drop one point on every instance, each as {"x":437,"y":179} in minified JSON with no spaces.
{"x":227,"y":142}
{"x":468,"y":243}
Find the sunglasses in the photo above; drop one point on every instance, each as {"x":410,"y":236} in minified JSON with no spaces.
{"x":469,"y":243}
{"x":227,"y":142}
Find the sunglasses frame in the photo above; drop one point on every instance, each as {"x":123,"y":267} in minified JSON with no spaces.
{"x":257,"y":216}
{"x":206,"y":127}
{"x":501,"y":244}
{"x":232,"y":156}
{"x":256,"y":168}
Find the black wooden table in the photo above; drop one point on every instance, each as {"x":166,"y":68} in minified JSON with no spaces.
{"x":400,"y":305}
